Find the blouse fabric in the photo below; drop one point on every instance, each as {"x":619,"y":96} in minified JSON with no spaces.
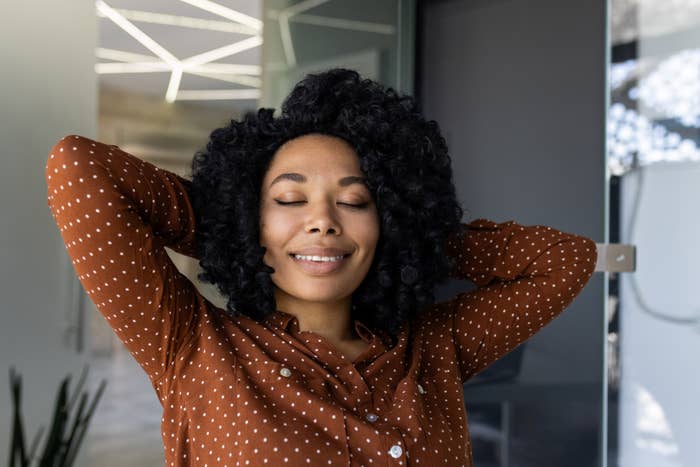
{"x":235,"y":391}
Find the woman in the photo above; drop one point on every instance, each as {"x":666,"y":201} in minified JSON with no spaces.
{"x":327,"y":228}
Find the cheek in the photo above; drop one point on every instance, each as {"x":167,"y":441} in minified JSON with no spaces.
{"x":274,"y":230}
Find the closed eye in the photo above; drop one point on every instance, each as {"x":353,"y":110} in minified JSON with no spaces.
{"x":355,"y":206}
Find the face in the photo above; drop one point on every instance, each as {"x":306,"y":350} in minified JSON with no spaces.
{"x":314,"y":201}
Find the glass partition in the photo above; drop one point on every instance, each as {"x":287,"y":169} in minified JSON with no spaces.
{"x":654,"y":183}
{"x":374,"y":37}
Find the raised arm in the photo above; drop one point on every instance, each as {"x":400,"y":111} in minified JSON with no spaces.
{"x":526,"y":276}
{"x":115,"y":213}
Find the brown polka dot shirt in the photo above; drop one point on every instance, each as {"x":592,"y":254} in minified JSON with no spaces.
{"x":238,"y":392}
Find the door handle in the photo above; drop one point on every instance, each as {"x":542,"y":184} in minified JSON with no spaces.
{"x":616,"y":257}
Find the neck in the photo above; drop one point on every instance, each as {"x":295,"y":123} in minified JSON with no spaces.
{"x":331,"y":320}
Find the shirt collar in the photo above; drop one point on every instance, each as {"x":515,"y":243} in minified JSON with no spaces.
{"x":284,"y":320}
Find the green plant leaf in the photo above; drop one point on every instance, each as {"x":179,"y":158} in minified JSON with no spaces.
{"x":17,"y":447}
{"x":78,"y":387}
{"x":73,"y":453}
{"x":35,"y":443}
{"x":58,"y":450}
{"x":57,"y":426}
{"x":77,"y":420}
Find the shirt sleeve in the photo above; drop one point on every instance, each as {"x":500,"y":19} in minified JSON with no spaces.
{"x":526,"y":276}
{"x":115,"y":213}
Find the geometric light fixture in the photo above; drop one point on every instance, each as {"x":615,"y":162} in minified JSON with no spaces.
{"x":203,"y":64}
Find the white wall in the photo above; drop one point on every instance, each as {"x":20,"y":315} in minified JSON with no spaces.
{"x":48,"y":89}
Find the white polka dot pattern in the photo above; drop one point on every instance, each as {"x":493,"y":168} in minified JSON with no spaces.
{"x":238,"y":392}
{"x":115,"y":212}
{"x":527,"y":275}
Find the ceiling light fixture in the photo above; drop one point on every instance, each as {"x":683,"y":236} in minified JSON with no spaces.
{"x":136,"y":33}
{"x":215,"y":94}
{"x":122,"y":56}
{"x":185,"y":21}
{"x":227,"y":68}
{"x":134,"y":67}
{"x":222,"y":52}
{"x":200,"y":64}
{"x":154,"y":66}
{"x":251,"y":81}
{"x":226,"y":12}
{"x":174,"y":84}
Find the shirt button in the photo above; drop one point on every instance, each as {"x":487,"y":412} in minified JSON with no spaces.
{"x":420,"y":389}
{"x":395,"y":451}
{"x":371,"y":417}
{"x":286,"y":372}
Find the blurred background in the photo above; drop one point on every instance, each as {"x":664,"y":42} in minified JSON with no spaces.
{"x":583,"y":115}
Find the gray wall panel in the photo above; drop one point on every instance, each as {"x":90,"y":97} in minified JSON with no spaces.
{"x":518,"y":88}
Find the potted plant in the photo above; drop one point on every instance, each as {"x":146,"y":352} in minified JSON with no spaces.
{"x":63,"y":440}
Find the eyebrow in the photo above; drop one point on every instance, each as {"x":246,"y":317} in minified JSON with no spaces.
{"x":299,"y":178}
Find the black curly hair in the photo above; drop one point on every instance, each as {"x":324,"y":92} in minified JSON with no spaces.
{"x":408,"y":171}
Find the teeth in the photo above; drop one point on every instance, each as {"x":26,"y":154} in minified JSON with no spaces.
{"x":319,"y":258}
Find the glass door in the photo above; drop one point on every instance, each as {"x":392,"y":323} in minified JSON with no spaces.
{"x":654,"y":185}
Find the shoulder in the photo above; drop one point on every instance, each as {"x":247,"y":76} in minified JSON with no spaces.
{"x":75,"y":142}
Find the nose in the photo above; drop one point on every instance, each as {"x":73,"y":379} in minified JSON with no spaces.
{"x":322,"y":219}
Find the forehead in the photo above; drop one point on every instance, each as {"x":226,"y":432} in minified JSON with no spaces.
{"x":315,"y":153}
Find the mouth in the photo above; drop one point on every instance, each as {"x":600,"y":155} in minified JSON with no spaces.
{"x":323,"y":266}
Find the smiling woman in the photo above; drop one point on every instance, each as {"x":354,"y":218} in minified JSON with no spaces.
{"x":333,"y":125}
{"x":320,"y":230}
{"x":327,"y":228}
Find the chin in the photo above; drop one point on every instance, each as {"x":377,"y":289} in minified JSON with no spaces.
{"x":320,"y":295}
{"x":316,"y":292}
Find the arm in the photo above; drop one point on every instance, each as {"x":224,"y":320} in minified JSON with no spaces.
{"x":115,"y":213}
{"x":526,"y":276}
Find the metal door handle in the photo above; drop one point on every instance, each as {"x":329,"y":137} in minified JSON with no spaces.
{"x":616,"y":257}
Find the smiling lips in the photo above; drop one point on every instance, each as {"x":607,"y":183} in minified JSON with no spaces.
{"x":319,"y":267}
{"x":321,"y":251}
{"x":316,"y":268}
